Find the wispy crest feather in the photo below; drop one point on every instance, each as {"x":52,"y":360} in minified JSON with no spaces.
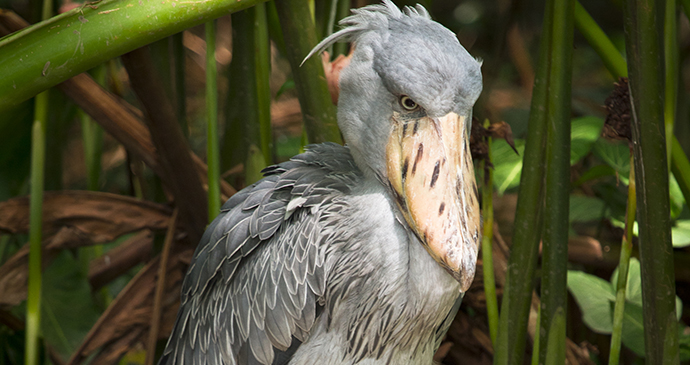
{"x":368,"y":18}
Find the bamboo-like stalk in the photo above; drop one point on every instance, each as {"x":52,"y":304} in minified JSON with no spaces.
{"x":623,"y":266}
{"x":262,"y":77}
{"x":299,"y":34}
{"x":643,"y":28}
{"x":212,"y":148}
{"x":45,"y":54}
{"x":38,"y":155}
{"x":556,"y":208}
{"x":33,"y":303}
{"x":555,"y":349}
{"x":487,"y":241}
{"x":517,"y":294}
{"x":596,"y":37}
{"x":177,"y":166}
{"x":671,"y":63}
{"x":249,"y":97}
{"x":342,"y":11}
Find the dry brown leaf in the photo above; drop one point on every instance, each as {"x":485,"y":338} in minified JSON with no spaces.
{"x":120,"y":259}
{"x":126,"y":321}
{"x":102,"y":216}
{"x":14,"y":272}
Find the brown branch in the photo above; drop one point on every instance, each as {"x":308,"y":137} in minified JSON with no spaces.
{"x":173,"y":151}
{"x":160,"y":287}
{"x":121,"y":259}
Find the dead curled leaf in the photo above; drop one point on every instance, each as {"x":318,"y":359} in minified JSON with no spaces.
{"x":71,"y":219}
{"x":479,"y":134}
{"x":126,"y":321}
{"x":103,"y":216}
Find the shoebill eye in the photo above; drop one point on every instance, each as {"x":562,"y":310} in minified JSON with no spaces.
{"x":407,"y":103}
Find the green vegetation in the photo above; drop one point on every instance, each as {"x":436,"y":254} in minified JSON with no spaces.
{"x":184,"y":103}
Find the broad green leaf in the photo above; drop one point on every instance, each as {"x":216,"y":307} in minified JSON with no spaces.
{"x":584,"y":132}
{"x":616,"y":155}
{"x":68,"y":310}
{"x":594,"y":173}
{"x":633,"y":292}
{"x":594,"y":297}
{"x":507,"y":164}
{"x":586,"y":208}
{"x":633,"y":288}
{"x":680,"y":233}
{"x":633,"y":328}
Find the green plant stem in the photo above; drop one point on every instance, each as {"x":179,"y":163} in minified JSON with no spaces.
{"x":556,"y":208}
{"x":38,"y":156}
{"x":300,"y":37}
{"x":678,"y":156}
{"x":262,"y":79}
{"x":555,"y":349}
{"x":671,"y":61}
{"x":52,"y":51}
{"x":212,"y":149}
{"x":613,"y":60}
{"x":517,"y":294}
{"x":33,"y":303}
{"x":487,"y":240}
{"x":342,"y":11}
{"x":248,"y":126}
{"x":643,"y":28}
{"x":623,"y":265}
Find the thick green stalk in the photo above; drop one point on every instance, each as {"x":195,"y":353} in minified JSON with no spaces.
{"x":555,"y":350}
{"x":623,"y":266}
{"x":249,"y":95}
{"x":38,"y":156}
{"x":52,"y":51}
{"x":342,"y":11}
{"x":262,"y":79}
{"x":643,"y":28}
{"x":487,"y":240}
{"x":33,"y":303}
{"x":556,"y":209}
{"x":517,"y":294}
{"x":212,"y":149}
{"x":613,"y":60}
{"x":672,"y":72}
{"x":300,"y":37}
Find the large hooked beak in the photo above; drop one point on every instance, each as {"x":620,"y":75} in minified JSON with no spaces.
{"x":430,"y":170}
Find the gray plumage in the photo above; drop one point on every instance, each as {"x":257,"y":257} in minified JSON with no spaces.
{"x":315,"y":264}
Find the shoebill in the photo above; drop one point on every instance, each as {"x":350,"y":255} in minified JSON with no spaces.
{"x":356,"y":254}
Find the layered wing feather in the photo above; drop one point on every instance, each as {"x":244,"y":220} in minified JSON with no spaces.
{"x":253,"y":287}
